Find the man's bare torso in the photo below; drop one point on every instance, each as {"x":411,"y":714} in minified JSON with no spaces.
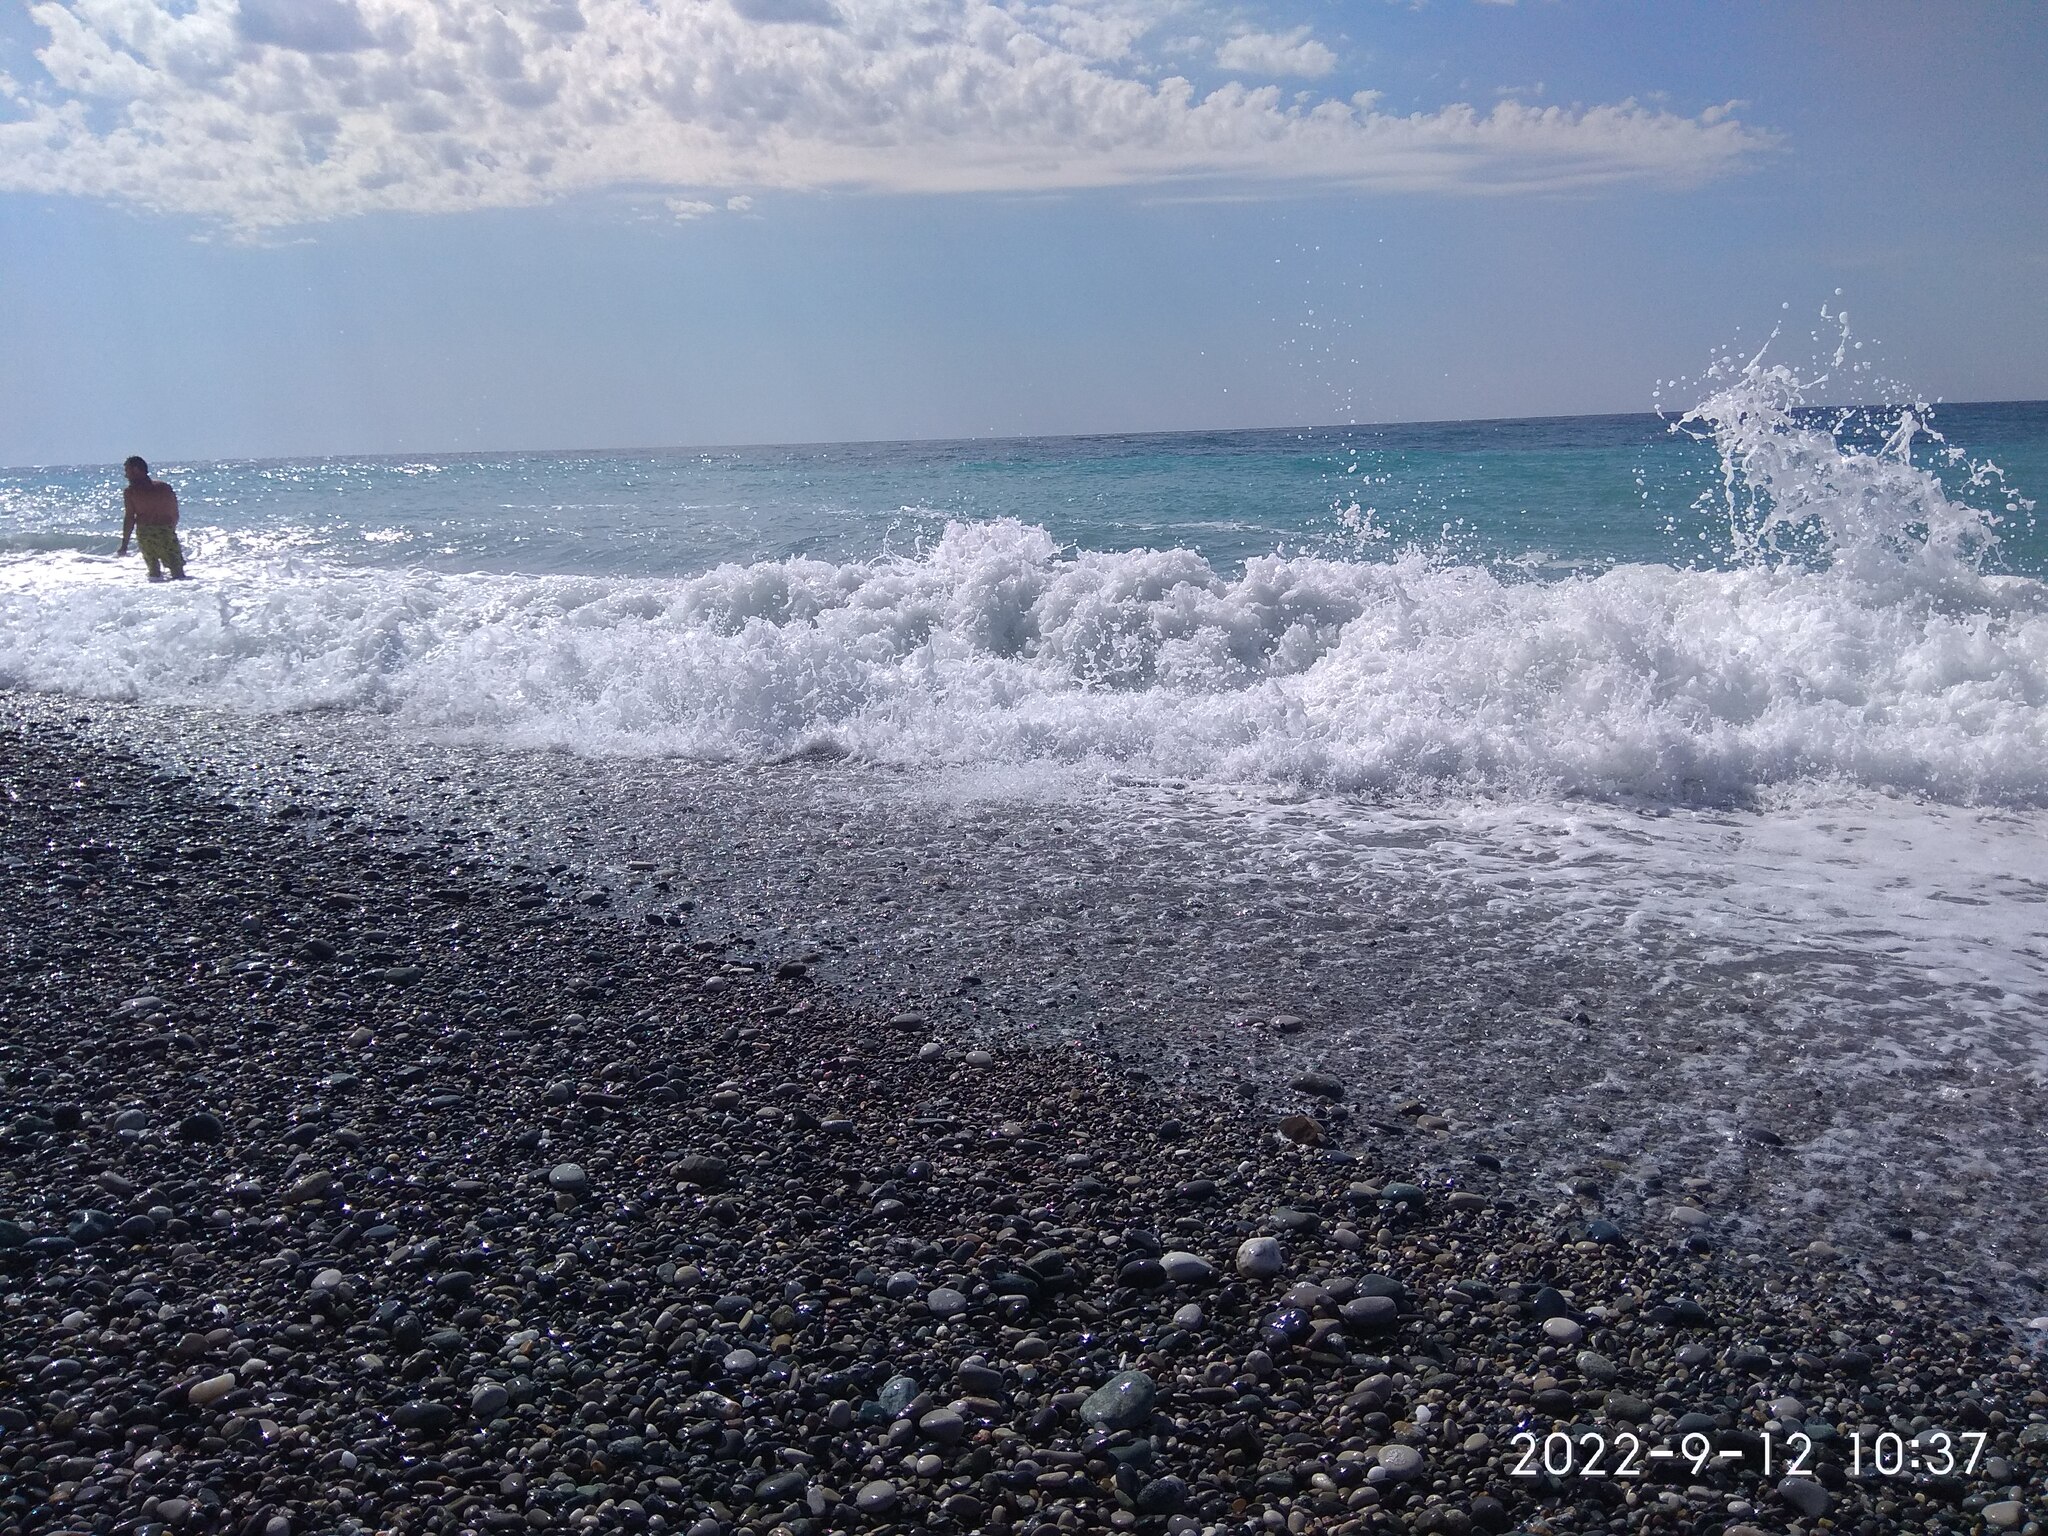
{"x":152,"y":504}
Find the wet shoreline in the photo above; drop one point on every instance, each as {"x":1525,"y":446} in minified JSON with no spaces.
{"x":466,"y":1210}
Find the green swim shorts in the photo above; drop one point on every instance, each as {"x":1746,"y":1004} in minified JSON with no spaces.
{"x":159,"y":547}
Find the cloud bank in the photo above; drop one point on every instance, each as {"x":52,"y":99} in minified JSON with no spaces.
{"x":266,"y":114}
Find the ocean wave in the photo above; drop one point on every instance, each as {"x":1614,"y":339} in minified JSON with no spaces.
{"x":1857,"y":639}
{"x":995,"y":645}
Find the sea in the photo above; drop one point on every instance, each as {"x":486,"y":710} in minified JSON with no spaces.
{"x":1660,"y":799}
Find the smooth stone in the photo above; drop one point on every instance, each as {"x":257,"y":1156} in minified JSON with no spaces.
{"x":201,"y":1126}
{"x":90,"y":1226}
{"x":569,"y":1179}
{"x":211,"y":1389}
{"x":1549,"y":1302}
{"x":1122,"y":1402}
{"x":1628,"y":1408}
{"x":1689,"y":1216}
{"x":1804,"y":1495}
{"x":488,"y":1402}
{"x":132,"y":1120}
{"x":875,"y":1498}
{"x":942,"y":1425}
{"x":931,"y":1050}
{"x":1370,"y":1312}
{"x":897,"y":1394}
{"x":980,"y":1058}
{"x":1184,"y":1268}
{"x":741,"y":1364}
{"x":1319,"y":1084}
{"x":1597,"y":1367}
{"x":978,"y":1379}
{"x":2005,"y":1514}
{"x":703,"y":1170}
{"x":1399,"y":1462}
{"x":423,"y":1415}
{"x":1162,"y":1496}
{"x":1189,"y":1316}
{"x":944,"y":1301}
{"x":1562,"y":1330}
{"x":1259,"y":1258}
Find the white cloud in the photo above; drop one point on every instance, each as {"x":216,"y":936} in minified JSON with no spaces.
{"x":272,"y":113}
{"x":685,"y":208}
{"x":1277,"y":53}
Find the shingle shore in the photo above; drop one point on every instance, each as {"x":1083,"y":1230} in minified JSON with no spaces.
{"x":343,"y":1191}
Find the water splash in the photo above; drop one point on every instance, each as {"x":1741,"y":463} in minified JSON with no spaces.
{"x":1840,"y":487}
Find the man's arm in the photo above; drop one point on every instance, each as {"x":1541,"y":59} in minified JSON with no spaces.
{"x":127,"y":517}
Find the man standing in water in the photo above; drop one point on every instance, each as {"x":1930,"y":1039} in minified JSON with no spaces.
{"x":151,"y":514}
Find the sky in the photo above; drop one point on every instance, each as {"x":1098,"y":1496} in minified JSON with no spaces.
{"x":256,"y":228}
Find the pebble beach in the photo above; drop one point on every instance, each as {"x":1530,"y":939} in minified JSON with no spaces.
{"x":346,"y":1186}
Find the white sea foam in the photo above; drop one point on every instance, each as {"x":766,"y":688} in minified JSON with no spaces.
{"x":994,"y":646}
{"x":1856,"y":641}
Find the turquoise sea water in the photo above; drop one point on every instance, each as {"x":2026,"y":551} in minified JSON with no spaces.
{"x":1694,"y":608}
{"x":1558,"y":493}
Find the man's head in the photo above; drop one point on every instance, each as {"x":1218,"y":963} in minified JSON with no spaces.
{"x":137,"y":467}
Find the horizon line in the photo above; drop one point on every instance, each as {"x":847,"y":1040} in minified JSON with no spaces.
{"x":992,"y":438}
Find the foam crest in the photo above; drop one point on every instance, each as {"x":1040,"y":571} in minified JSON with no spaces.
{"x":1795,"y":485}
{"x":996,"y":646}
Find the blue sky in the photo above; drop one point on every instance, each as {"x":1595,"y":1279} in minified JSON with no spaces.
{"x":304,"y":226}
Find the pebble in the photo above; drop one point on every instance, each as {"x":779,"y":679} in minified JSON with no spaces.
{"x":944,"y":1301}
{"x":1399,"y":1462}
{"x":569,"y":1179}
{"x":1562,"y":1331}
{"x":875,"y":1498}
{"x":2005,"y":1514}
{"x":703,"y":1170}
{"x":1259,"y":1258}
{"x":1123,"y":1402}
{"x":1370,"y":1314}
{"x":1805,"y":1495}
{"x":209,"y":1389}
{"x":1320,"y":1085}
{"x":1183,"y":1268}
{"x":1596,"y":1367}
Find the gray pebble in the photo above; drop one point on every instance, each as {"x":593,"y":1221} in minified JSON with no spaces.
{"x":1122,"y":1402}
{"x":569,"y":1179}
{"x":1258,"y":1258}
{"x":1399,"y":1462}
{"x":1804,"y":1495}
